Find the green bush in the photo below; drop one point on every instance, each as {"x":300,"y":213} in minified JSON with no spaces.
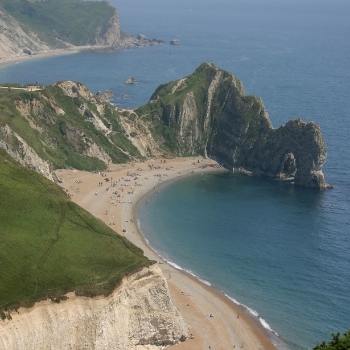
{"x":338,"y":342}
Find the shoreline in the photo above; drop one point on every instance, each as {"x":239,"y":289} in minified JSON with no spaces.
{"x":71,"y":50}
{"x":4,"y":62}
{"x":252,"y":317}
{"x":233,"y":325}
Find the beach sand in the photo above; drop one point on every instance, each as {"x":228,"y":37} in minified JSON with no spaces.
{"x":5,"y":61}
{"x":231,"y":326}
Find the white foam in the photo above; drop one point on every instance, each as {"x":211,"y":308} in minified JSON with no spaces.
{"x":176,"y":266}
{"x":207,"y":283}
{"x":254,"y":313}
{"x":251,"y":311}
{"x":235,"y":301}
{"x":267,"y":326}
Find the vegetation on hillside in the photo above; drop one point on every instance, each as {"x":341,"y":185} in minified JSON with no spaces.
{"x":72,"y":21}
{"x":50,"y":246}
{"x":338,"y":342}
{"x":64,"y":139}
{"x":166,"y":103}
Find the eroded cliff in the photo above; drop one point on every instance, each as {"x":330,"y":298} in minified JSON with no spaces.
{"x":206,"y":113}
{"x":138,"y":315}
{"x":61,"y":126}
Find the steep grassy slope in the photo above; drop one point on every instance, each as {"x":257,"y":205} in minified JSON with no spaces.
{"x":74,"y":21}
{"x":50,"y":246}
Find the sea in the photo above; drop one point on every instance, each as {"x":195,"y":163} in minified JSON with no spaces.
{"x":284,"y":252}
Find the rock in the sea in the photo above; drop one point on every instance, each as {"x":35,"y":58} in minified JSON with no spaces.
{"x":208,"y":113}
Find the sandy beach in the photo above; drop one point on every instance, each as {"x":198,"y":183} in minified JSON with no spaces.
{"x":215,"y":322}
{"x":4,"y":61}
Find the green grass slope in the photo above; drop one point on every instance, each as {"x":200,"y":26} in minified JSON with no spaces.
{"x":73,"y":21}
{"x":50,"y":246}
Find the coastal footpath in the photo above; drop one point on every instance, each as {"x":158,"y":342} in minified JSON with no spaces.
{"x":25,"y":33}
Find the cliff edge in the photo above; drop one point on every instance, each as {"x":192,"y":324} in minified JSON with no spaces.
{"x":138,"y":315}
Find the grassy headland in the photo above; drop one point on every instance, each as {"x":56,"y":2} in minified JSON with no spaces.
{"x":50,"y":246}
{"x":73,"y":21}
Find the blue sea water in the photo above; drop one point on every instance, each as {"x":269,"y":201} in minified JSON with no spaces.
{"x":285,"y":252}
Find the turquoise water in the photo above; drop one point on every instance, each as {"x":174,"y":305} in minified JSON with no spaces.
{"x":282,"y":251}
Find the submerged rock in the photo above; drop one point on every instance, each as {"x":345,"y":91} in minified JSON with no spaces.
{"x":130,"y":81}
{"x":175,"y":42}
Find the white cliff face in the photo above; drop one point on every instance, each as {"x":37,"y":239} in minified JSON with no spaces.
{"x":75,"y":89}
{"x":139,"y":133}
{"x":111,"y":35}
{"x":19,"y":150}
{"x":138,"y":315}
{"x":189,"y":128}
{"x":211,"y":92}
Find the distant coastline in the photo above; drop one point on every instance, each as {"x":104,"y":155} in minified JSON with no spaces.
{"x":49,"y":53}
{"x":12,"y":60}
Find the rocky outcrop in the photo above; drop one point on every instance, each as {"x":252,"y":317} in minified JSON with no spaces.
{"x":15,"y":41}
{"x":139,"y":133}
{"x":208,"y":113}
{"x":63,"y":126}
{"x":110,"y":35}
{"x":138,"y":315}
{"x":19,"y":150}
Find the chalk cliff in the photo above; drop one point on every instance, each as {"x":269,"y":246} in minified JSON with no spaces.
{"x":138,"y":315}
